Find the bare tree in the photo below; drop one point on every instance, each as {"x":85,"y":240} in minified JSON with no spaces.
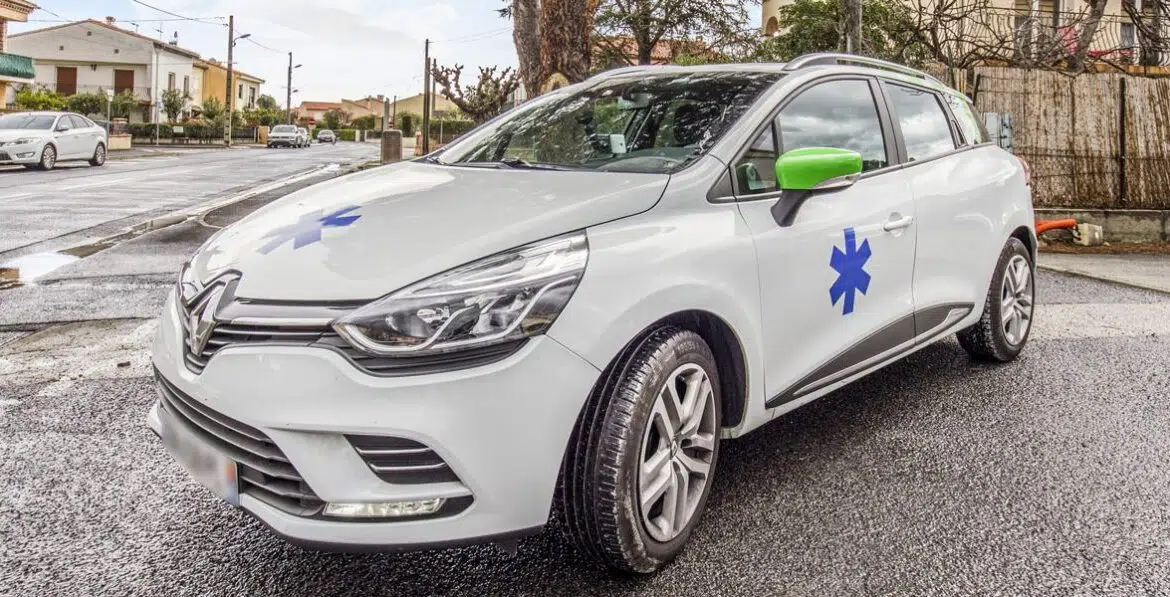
{"x":483,"y":100}
{"x":711,"y":23}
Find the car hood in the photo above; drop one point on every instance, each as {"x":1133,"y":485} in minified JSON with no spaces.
{"x":364,"y":235}
{"x":11,"y":134}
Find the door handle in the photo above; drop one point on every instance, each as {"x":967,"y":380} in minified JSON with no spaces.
{"x":898,"y":223}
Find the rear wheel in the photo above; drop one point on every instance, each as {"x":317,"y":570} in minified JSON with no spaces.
{"x":99,"y":155}
{"x":639,"y":466}
{"x":48,"y":158}
{"x":1002,"y":331}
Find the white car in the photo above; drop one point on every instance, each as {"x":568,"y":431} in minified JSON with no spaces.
{"x":285,"y":135}
{"x":306,"y":138}
{"x":41,"y":139}
{"x":568,"y":310}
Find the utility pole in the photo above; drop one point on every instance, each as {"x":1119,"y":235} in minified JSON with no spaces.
{"x":231,"y":44}
{"x":155,"y":90}
{"x":394,"y":111}
{"x":426,"y":115}
{"x":288,"y":98}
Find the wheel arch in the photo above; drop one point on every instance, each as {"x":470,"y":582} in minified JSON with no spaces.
{"x":1028,"y":237}
{"x":725,"y":344}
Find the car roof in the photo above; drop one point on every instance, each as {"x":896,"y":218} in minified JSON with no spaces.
{"x":830,"y":62}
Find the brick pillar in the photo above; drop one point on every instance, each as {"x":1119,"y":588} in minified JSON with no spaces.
{"x":3,"y":33}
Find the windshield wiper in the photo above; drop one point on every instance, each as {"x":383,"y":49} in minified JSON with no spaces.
{"x":514,"y":162}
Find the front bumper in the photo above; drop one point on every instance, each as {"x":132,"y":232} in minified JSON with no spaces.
{"x":502,"y":429}
{"x":20,"y":154}
{"x":285,"y":142}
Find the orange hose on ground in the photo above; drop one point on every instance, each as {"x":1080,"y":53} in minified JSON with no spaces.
{"x":1046,"y":225}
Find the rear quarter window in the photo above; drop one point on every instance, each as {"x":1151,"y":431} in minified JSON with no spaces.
{"x":971,"y":126}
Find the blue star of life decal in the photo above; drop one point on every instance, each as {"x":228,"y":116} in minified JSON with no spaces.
{"x":850,"y":267}
{"x":308,"y":228}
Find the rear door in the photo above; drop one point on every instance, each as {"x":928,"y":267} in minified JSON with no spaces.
{"x":87,"y":134}
{"x":836,"y":281}
{"x":956,"y":204}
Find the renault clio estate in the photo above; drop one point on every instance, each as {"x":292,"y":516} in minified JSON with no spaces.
{"x":564,"y":313}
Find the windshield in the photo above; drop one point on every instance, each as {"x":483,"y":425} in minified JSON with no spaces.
{"x":325,"y":132}
{"x":284,"y":128}
{"x":41,"y":122}
{"x":648,"y":123}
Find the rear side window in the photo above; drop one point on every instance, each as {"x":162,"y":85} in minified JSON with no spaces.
{"x":925,"y":128}
{"x":972,"y":127}
{"x":840,"y":114}
{"x":78,"y":122}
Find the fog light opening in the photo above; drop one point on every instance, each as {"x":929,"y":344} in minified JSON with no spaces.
{"x":384,"y":509}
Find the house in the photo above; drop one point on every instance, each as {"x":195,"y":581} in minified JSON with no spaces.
{"x":1042,"y":30}
{"x":614,"y":52}
{"x":92,"y":56}
{"x":414,"y":105}
{"x":14,"y":68}
{"x":212,"y":76}
{"x":314,"y":112}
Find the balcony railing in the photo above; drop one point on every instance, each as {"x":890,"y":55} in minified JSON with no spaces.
{"x":141,"y":93}
{"x":1051,"y":37}
{"x":16,"y":66}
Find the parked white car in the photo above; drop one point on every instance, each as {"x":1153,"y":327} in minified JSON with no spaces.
{"x":285,"y":135}
{"x":571,"y":307}
{"x":41,"y":139}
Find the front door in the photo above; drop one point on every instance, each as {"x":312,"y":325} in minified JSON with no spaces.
{"x":835,"y":280}
{"x":66,"y":80}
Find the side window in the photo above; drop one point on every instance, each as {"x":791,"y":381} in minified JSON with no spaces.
{"x":839,"y":114}
{"x":972,"y":127}
{"x":925,"y":127}
{"x":63,"y":123}
{"x":755,"y":172}
{"x":78,"y":122}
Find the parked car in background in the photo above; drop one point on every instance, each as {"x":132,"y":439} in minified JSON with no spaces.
{"x":326,"y":136}
{"x":41,"y":139}
{"x":285,"y":135}
{"x":306,"y":138}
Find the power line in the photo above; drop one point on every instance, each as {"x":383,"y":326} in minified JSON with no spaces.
{"x":207,"y":20}
{"x":50,"y":12}
{"x":473,"y":36}
{"x":249,"y":38}
{"x":181,"y":17}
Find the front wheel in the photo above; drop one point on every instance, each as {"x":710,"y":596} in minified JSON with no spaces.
{"x":99,"y":155}
{"x":639,"y":466}
{"x":48,"y":158}
{"x":1002,"y":331}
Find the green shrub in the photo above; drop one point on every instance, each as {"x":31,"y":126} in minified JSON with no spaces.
{"x":406,"y":123}
{"x":346,"y":135}
{"x":39,"y":98}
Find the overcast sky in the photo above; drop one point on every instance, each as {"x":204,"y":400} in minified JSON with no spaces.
{"x":349,"y":48}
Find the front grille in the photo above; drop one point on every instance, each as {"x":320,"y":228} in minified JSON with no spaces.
{"x":265,"y":473}
{"x":4,"y":157}
{"x":325,"y":337}
{"x":401,"y":461}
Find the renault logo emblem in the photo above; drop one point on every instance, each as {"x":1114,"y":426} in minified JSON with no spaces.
{"x":200,"y":313}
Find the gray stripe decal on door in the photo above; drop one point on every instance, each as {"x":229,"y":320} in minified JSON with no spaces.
{"x":931,"y":320}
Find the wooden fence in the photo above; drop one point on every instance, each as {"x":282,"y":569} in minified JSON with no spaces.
{"x":1093,"y":140}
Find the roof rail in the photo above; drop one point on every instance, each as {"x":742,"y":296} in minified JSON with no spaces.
{"x":828,"y":58}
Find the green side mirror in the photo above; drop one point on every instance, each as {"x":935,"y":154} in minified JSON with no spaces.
{"x":804,"y":169}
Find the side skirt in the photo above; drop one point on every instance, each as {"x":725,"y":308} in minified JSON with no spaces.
{"x":875,"y":351}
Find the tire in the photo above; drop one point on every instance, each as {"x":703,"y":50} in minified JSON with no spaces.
{"x":48,"y":158}
{"x":617,"y":437}
{"x":99,"y":155}
{"x":994,"y":337}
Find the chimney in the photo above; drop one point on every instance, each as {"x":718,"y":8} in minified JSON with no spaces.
{"x":110,"y":20}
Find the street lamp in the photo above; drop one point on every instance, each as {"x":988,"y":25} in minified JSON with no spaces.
{"x":232,"y":39}
{"x":288,"y":98}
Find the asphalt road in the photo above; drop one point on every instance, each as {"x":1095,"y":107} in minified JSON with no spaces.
{"x":936,"y":476}
{"x":39,"y":208}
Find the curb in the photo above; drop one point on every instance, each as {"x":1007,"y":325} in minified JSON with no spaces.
{"x":1080,"y":274}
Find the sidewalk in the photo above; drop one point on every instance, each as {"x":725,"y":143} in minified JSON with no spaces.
{"x":1151,"y":272}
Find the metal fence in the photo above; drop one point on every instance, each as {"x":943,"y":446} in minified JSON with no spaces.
{"x":1093,"y":140}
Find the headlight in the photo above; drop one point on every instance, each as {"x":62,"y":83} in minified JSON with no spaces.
{"x":507,"y":296}
{"x":24,"y":140}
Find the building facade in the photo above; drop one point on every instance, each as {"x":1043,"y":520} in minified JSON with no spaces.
{"x":213,"y":83}
{"x":15,"y":69}
{"x":1033,"y":30}
{"x":93,"y":56}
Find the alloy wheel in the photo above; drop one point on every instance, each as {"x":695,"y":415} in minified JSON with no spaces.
{"x":99,"y":156}
{"x":677,"y":452}
{"x":48,"y":157}
{"x":1016,"y":300}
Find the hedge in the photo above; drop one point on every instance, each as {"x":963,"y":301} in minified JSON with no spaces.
{"x":346,"y":135}
{"x":450,"y":129}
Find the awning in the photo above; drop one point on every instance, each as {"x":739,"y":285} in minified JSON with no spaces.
{"x":14,"y":67}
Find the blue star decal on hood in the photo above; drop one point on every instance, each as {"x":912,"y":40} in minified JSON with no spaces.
{"x":850,"y":267}
{"x":307,"y":229}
